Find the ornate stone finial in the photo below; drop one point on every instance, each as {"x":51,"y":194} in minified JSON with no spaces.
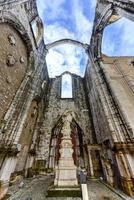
{"x":10,"y":60}
{"x":12,"y":39}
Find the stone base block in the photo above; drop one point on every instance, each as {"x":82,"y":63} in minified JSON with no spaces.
{"x":64,"y":192}
{"x":66,"y":177}
{"x":67,"y":182}
{"x":128,"y":186}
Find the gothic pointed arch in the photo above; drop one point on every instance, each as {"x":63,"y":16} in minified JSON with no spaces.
{"x":106,"y":13}
{"x":77,"y":137}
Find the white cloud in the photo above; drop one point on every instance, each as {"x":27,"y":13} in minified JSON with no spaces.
{"x":83,"y":25}
{"x":54,"y":62}
{"x":127,"y":37}
{"x":65,"y":57}
{"x":118,"y":38}
{"x":41,"y":7}
{"x":55,"y":32}
{"x":54,"y":7}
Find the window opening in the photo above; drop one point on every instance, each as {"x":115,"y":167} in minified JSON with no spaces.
{"x":66,"y":88}
{"x":118,"y":38}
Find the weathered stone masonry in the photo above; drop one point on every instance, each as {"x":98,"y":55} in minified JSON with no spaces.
{"x":56,"y":108}
{"x":32,"y":110}
{"x":23,"y":71}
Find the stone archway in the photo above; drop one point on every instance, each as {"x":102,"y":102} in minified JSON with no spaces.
{"x":108,"y":13}
{"x":77,"y":139}
{"x":37,"y":29}
{"x":67,"y":41}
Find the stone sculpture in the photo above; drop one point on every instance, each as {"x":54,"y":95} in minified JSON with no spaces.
{"x":12,"y":40}
{"x":66,"y":170}
{"x":11,"y":60}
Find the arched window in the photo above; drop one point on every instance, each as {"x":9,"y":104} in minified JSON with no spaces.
{"x":118,"y":38}
{"x":37,"y":28}
{"x":66,"y":86}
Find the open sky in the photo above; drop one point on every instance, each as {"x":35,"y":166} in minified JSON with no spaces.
{"x":74,"y":19}
{"x":118,"y":38}
{"x":67,"y":19}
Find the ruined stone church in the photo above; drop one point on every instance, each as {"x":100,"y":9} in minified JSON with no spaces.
{"x":42,"y":133}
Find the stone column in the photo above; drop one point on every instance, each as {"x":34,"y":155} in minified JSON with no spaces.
{"x":5,"y":172}
{"x":90,"y":163}
{"x":66,"y":171}
{"x":125,"y":175}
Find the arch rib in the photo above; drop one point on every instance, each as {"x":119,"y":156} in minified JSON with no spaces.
{"x":67,"y":41}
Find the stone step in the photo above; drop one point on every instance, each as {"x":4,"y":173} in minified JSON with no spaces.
{"x":63,"y":198}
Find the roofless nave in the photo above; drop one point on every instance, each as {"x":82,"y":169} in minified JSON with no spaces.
{"x":41,"y":132}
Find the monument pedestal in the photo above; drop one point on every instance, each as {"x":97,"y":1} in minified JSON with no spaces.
{"x":66,"y":171}
{"x":65,"y":183}
{"x":65,"y":177}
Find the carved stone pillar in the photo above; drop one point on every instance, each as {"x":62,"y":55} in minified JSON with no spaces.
{"x":5,"y":172}
{"x":66,"y":171}
{"x":90,"y":163}
{"x":127,"y":181}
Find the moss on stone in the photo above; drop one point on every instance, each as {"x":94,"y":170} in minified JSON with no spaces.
{"x":64,"y":193}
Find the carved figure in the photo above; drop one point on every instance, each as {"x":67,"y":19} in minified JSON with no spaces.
{"x":12,"y":39}
{"x":11,"y":60}
{"x":22,"y":60}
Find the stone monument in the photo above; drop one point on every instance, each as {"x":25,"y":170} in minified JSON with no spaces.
{"x":66,"y":171}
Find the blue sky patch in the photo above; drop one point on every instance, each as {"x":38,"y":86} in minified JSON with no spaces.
{"x":67,"y":19}
{"x":118,"y":38}
{"x":74,"y":19}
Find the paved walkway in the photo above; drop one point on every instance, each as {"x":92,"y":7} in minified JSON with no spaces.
{"x":36,"y":188}
{"x":98,"y":191}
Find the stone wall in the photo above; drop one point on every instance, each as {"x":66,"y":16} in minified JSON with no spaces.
{"x":120,"y":74}
{"x":57,"y":106}
{"x":110,"y":94}
{"x":31,"y":103}
{"x":110,"y":82}
{"x":13,"y":65}
{"x":23,"y":72}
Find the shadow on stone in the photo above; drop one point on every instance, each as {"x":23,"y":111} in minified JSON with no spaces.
{"x":64,"y":192}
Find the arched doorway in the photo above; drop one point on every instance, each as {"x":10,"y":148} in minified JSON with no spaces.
{"x":77,"y":138}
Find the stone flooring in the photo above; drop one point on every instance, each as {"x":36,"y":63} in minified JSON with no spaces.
{"x":33,"y":189}
{"x":99,"y":191}
{"x":36,"y":189}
